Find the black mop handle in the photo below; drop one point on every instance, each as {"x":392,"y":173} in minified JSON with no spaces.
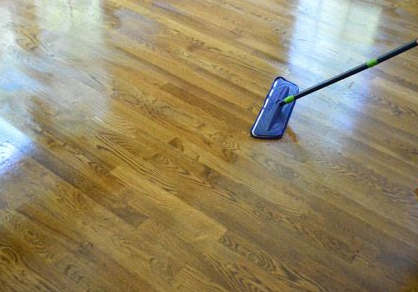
{"x":369,"y":64}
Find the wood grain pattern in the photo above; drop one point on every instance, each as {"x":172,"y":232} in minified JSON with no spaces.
{"x":126,"y":162}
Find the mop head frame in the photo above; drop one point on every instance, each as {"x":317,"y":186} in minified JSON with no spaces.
{"x":273,"y":118}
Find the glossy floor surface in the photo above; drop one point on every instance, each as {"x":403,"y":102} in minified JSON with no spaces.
{"x":126,"y":162}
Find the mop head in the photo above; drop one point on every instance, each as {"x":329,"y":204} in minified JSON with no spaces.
{"x":272,"y":120}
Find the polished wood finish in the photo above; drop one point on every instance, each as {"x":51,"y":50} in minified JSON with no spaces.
{"x":126,"y":162}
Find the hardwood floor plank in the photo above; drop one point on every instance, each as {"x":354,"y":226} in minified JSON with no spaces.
{"x":189,"y":279}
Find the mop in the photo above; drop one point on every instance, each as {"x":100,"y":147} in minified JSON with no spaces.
{"x":274,"y":116}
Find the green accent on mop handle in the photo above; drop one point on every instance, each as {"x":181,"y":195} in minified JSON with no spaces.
{"x":289,"y":99}
{"x":372,"y":63}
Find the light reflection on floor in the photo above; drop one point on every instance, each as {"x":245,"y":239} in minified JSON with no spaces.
{"x":10,"y":155}
{"x":336,"y":41}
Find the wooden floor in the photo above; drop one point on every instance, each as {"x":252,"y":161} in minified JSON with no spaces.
{"x":126,"y":162}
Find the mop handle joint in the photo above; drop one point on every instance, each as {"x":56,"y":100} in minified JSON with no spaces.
{"x":373,"y":62}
